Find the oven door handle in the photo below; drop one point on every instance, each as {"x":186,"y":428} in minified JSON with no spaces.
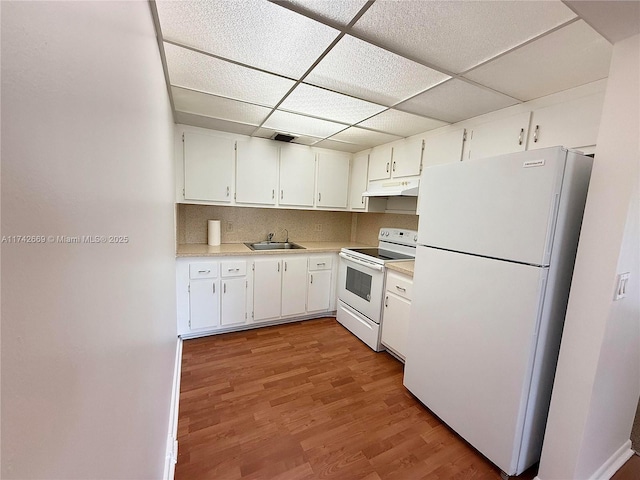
{"x":372,"y":266}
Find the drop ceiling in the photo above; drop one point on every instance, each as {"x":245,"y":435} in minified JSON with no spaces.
{"x":353,"y":74}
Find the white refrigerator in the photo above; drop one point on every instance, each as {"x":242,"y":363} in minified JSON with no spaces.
{"x":496,"y":247}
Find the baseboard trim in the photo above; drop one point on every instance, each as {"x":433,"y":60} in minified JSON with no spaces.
{"x":172,"y":437}
{"x":613,"y":463}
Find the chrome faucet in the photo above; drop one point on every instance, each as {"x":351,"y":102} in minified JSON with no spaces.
{"x":287,"y":239}
{"x":269,"y":237}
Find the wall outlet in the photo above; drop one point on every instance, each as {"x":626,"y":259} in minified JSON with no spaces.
{"x":229,"y":227}
{"x":318,"y":227}
{"x":621,"y":286}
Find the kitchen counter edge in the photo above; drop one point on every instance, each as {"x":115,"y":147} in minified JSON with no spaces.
{"x":231,"y":249}
{"x":403,"y":267}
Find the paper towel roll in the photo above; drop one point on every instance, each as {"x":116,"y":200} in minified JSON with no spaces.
{"x":214,"y":232}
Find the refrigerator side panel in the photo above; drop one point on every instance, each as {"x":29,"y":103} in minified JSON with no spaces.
{"x":472,"y":340}
{"x":567,"y":232}
{"x":502,"y":207}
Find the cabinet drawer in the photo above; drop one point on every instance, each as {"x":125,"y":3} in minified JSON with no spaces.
{"x":320,"y":263}
{"x":203,"y":270}
{"x":236,"y":268}
{"x":399,"y":284}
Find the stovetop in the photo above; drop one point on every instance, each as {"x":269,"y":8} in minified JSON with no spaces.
{"x":394,"y":244}
{"x":381,"y":254}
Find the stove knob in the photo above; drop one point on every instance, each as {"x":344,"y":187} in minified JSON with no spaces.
{"x":386,"y":234}
{"x":415,"y":238}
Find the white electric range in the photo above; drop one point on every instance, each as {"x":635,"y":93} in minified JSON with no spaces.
{"x":361,"y":277}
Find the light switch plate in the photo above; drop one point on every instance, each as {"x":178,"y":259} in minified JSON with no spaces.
{"x":621,"y":285}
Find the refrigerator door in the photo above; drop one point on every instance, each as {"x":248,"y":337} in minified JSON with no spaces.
{"x":501,"y":207}
{"x":470,"y":355}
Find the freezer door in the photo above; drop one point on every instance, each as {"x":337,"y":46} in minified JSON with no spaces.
{"x":470,"y":354}
{"x":501,"y":207}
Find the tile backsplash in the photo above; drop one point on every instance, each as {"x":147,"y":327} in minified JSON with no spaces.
{"x":245,"y":224}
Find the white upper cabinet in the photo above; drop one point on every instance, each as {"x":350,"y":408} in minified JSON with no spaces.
{"x":257,"y":172}
{"x":297,"y":175}
{"x":572,"y":124}
{"x":208,"y":167}
{"x":506,"y":135}
{"x":445,"y":148}
{"x":407,"y":158}
{"x":333,"y":180}
{"x":380,"y":162}
{"x":358,"y":182}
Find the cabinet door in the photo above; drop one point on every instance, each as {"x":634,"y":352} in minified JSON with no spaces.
{"x":208,"y":167}
{"x":571,"y":124}
{"x":319,"y":291}
{"x":444,"y":148}
{"x":506,"y":135}
{"x":380,"y":162}
{"x":297,"y":175}
{"x":257,"y":172}
{"x":395,"y":323}
{"x":267,"y":289}
{"x":333,"y":180}
{"x":234,"y":298}
{"x":204,"y":303}
{"x":407,"y":158}
{"x":358,"y":182}
{"x":294,"y":294}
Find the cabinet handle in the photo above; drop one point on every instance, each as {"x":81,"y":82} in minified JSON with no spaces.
{"x":233,"y":270}
{"x":321,"y":263}
{"x":387,"y":167}
{"x":386,"y":301}
{"x":227,"y":191}
{"x":402,"y":289}
{"x":311,"y":279}
{"x":520,"y":136}
{"x":535,"y":133}
{"x":214,"y":288}
{"x":285,"y":266}
{"x":273,"y":194}
{"x":362,"y":198}
{"x":278,"y":266}
{"x":204,"y":271}
{"x":224,"y":288}
{"x":281,"y":194}
{"x":319,"y":196}
{"x":394,"y":165}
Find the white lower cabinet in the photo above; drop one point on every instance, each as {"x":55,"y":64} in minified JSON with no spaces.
{"x":395,"y":318}
{"x":294,"y":293}
{"x":267,"y":288}
{"x":204,"y":303}
{"x":234,"y":286}
{"x":319,"y":283}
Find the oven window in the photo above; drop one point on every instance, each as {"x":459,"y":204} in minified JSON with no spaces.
{"x":359,"y":283}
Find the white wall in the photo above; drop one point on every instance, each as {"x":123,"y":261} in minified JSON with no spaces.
{"x":597,"y":382}
{"x":88,"y":330}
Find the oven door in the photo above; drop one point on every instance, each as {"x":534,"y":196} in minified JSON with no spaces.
{"x":361,"y":285}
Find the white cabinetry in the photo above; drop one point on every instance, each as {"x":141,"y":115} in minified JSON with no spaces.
{"x":395,"y":318}
{"x":319,"y":284}
{"x":297,"y":175}
{"x":505,"y":135}
{"x":204,"y":296}
{"x":358,"y":182}
{"x":407,"y":158}
{"x":333,"y":180}
{"x":380,"y":162}
{"x":267,"y":288}
{"x":445,"y":148}
{"x":257,"y":172}
{"x":208,"y":167}
{"x":572,"y":124}
{"x":294,"y":294}
{"x":234,"y":292}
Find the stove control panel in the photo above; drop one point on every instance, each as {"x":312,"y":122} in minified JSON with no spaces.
{"x":399,"y":236}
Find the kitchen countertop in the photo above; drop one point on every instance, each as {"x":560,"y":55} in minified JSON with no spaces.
{"x":228,"y":249}
{"x":403,"y":267}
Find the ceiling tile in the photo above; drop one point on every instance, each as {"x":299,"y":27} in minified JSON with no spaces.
{"x":366,"y":138}
{"x":340,"y":13}
{"x":300,"y":139}
{"x":301,"y":125}
{"x":218,"y":107}
{"x":342,"y":146}
{"x":571,"y":56}
{"x":319,"y":102}
{"x":456,"y":100}
{"x":260,"y":34}
{"x":201,"y":72}
{"x":365,"y":71}
{"x":214,"y":123}
{"x":458,"y":35}
{"x":401,"y":123}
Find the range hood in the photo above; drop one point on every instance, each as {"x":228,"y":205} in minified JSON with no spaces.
{"x":393,"y":188}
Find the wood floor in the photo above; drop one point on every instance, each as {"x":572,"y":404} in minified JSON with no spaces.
{"x":309,"y":401}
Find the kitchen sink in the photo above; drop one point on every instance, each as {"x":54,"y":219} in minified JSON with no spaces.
{"x":273,"y":246}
